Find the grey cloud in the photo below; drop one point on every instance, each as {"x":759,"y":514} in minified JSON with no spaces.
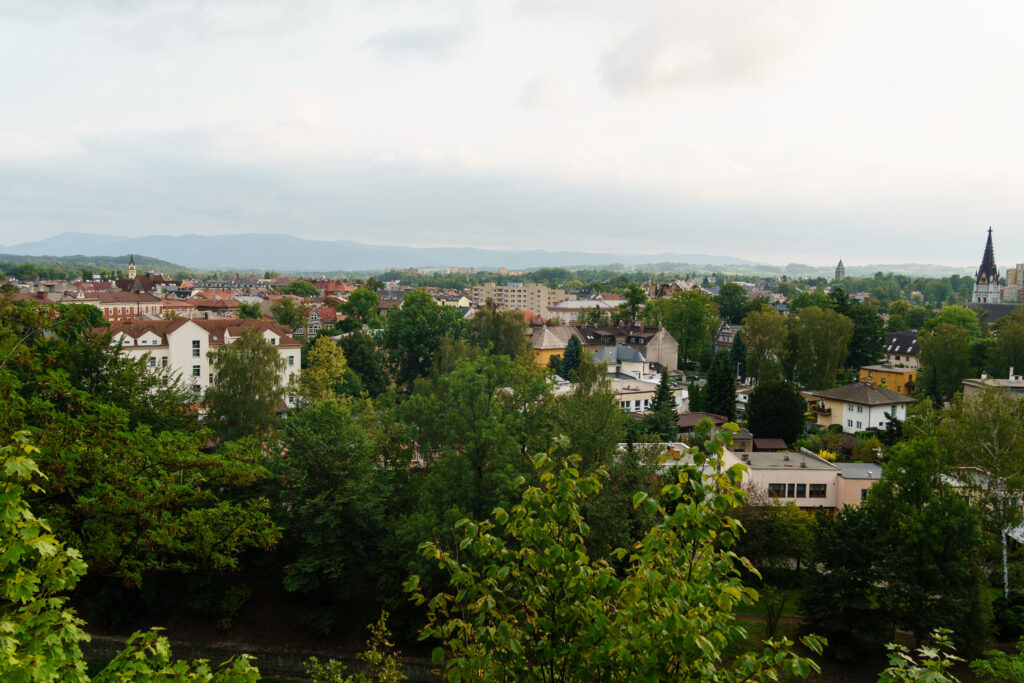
{"x":430,"y":41}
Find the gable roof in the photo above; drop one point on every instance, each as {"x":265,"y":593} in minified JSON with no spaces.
{"x":557,"y":337}
{"x":903,"y":342}
{"x":690,"y":420}
{"x":217,"y":329}
{"x":862,"y":394}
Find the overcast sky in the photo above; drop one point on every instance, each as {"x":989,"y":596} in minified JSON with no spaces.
{"x":776,"y":131}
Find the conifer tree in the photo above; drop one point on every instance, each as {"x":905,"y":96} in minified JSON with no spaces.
{"x":662,"y":416}
{"x":571,"y":360}
{"x":721,"y":388}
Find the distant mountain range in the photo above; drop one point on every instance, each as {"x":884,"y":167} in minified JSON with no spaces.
{"x":249,"y":252}
{"x":281,"y":252}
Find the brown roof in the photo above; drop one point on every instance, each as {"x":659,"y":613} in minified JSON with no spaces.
{"x":690,"y":420}
{"x":862,"y":394}
{"x":770,"y":444}
{"x":121,"y":298}
{"x":216,"y":328}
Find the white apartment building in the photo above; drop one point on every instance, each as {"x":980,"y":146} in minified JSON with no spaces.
{"x":520,"y":296}
{"x":183,"y":345}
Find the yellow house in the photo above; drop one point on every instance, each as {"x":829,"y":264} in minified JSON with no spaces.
{"x":901,"y":380}
{"x":550,"y":341}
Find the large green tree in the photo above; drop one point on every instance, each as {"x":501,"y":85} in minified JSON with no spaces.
{"x":957,"y":316}
{"x":764,"y":333}
{"x":985,"y":435}
{"x":527,"y":603}
{"x":691,"y":317}
{"x":818,"y":343}
{"x":300,"y":288}
{"x":361,"y":307}
{"x":413,"y":332}
{"x":776,"y":410}
{"x":287,"y":311}
{"x":323,"y":377}
{"x":247,"y":388}
{"x":732,"y":302}
{"x":366,"y":359}
{"x":250,"y":310}
{"x":635,"y":299}
{"x":868,"y":338}
{"x":42,"y":636}
{"x":945,"y":361}
{"x":906,"y":559}
{"x":1008,"y":350}
{"x":500,"y":332}
{"x":331,"y":502}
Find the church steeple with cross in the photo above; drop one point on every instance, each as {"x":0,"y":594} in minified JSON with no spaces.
{"x":986,"y":280}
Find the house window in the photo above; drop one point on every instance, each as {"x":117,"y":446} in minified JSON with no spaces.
{"x":790,"y":492}
{"x":860,"y":409}
{"x":195,"y":390}
{"x":163,"y":361}
{"x":801,"y":490}
{"x":817,"y":491}
{"x":291,"y":360}
{"x":273,"y":340}
{"x":776,"y":490}
{"x":196,"y":370}
{"x":195,"y":348}
{"x":849,"y":423}
{"x":211,"y":378}
{"x":849,"y":407}
{"x":859,"y":424}
{"x":152,"y":362}
{"x":864,"y":494}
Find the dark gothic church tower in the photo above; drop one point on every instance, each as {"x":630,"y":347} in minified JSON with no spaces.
{"x":986,"y":281}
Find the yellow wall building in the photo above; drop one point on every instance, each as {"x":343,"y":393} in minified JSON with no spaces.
{"x":901,"y":380}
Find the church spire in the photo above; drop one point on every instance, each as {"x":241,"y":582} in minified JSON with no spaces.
{"x":987,"y":273}
{"x":131,"y":267}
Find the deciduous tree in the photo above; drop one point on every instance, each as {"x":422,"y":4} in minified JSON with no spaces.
{"x":528,"y":603}
{"x":247,"y":389}
{"x":776,"y":410}
{"x":945,"y":361}
{"x":764,"y":333}
{"x":819,"y":342}
{"x":414,"y":331}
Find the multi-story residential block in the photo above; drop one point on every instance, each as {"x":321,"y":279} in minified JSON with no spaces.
{"x":520,"y":296}
{"x":183,"y":345}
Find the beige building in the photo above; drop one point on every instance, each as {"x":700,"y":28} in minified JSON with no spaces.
{"x":520,"y":296}
{"x":802,"y":478}
{"x":1012,"y":385}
